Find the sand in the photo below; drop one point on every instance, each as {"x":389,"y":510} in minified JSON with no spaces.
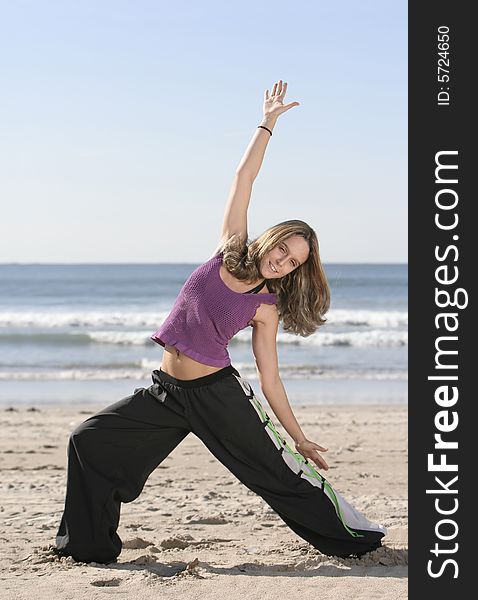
{"x":196,"y":531}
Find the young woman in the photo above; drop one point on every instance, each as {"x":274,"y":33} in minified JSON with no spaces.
{"x":276,"y":277}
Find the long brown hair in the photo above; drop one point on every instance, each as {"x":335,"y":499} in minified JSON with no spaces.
{"x":303,"y":295}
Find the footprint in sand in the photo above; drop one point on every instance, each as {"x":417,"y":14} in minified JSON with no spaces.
{"x":208,"y":520}
{"x":136,"y":543}
{"x":145,"y":559}
{"x":180,"y":541}
{"x":115,"y":581}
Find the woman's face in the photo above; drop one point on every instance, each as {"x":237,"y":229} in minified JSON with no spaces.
{"x":285,"y":257}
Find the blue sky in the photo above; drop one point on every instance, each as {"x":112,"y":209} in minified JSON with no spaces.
{"x":123,"y":124}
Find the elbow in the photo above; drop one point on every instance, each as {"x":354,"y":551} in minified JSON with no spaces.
{"x":270,"y":384}
{"x":243,"y":173}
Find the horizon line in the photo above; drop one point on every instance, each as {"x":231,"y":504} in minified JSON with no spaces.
{"x":178,"y":263}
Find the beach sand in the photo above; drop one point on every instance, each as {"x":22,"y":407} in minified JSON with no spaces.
{"x":196,"y":531}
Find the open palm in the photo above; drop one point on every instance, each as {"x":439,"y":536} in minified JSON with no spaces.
{"x":273,"y":102}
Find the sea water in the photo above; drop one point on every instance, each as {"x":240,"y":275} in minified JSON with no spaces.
{"x":81,"y":333}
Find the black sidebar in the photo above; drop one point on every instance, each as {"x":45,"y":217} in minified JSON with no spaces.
{"x":442,"y":290}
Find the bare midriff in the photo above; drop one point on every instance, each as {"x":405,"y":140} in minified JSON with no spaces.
{"x":180,"y":366}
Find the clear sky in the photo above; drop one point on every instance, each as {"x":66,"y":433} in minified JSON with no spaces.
{"x":123,"y":122}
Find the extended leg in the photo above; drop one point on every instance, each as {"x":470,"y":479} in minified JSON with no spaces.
{"x":239,"y":434}
{"x":110,"y":457}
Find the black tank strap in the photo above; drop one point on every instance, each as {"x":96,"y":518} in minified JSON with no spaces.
{"x":258,"y":288}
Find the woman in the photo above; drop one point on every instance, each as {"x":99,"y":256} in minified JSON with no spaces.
{"x":277,"y":277}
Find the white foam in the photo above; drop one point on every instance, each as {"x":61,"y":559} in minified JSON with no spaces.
{"x":370,"y":338}
{"x":82,"y":319}
{"x":130,"y":338}
{"x":153,"y":319}
{"x":368,"y":318}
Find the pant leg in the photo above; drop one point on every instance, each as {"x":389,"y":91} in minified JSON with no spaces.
{"x":110,"y":457}
{"x":233,"y":424}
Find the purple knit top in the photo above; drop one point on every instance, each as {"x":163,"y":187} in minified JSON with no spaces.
{"x":207,"y":314}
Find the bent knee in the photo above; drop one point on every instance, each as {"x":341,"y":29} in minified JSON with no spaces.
{"x":83,"y":437}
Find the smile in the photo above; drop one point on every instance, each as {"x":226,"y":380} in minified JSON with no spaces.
{"x":272,"y":267}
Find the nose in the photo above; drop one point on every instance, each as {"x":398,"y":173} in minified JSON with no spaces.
{"x":280,"y":261}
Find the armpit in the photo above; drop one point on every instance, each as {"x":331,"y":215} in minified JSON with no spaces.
{"x":266,"y":314}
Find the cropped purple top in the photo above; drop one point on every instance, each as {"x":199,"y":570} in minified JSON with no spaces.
{"x":207,"y":314}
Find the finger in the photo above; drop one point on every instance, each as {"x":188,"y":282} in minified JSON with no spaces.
{"x":279,"y":87}
{"x":274,"y":88}
{"x":287,"y":106}
{"x":318,"y":460}
{"x":266,"y":95}
{"x":283,"y":91}
{"x":321,"y":448}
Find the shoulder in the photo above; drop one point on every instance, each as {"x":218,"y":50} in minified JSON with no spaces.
{"x":266,"y":314}
{"x":218,"y":254}
{"x":235,"y":239}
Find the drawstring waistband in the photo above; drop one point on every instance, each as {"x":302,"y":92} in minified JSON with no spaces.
{"x":158,"y":376}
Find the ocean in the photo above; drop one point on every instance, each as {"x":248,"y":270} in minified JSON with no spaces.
{"x":81,"y":333}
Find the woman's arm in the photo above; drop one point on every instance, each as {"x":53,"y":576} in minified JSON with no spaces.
{"x":235,"y":214}
{"x":264,"y":347}
{"x":273,"y":107}
{"x":251,"y":161}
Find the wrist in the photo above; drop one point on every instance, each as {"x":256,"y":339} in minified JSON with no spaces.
{"x":268,"y":121}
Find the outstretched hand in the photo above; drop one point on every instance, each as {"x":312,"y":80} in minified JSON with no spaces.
{"x":310,"y":450}
{"x":273,"y":103}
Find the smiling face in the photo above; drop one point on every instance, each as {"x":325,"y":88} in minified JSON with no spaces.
{"x":285,"y":257}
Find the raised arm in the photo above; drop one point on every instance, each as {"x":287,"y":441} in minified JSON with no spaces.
{"x":235,"y":214}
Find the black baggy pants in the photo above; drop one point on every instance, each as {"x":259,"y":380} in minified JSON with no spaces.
{"x":112,"y":454}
